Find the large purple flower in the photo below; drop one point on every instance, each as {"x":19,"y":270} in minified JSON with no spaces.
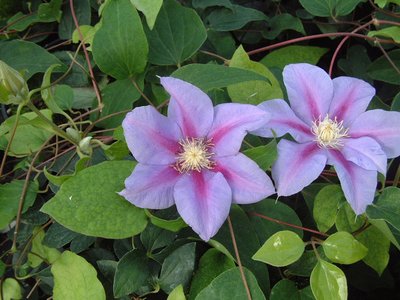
{"x":328,"y":121}
{"x":191,"y":158}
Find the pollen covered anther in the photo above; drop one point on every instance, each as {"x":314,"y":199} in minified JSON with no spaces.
{"x":194,"y":155}
{"x":329,"y":133}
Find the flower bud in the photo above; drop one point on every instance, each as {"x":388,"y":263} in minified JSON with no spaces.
{"x":13,"y":87}
{"x":84,"y":145}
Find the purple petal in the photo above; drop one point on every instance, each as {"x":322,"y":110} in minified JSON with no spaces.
{"x":190,"y":107}
{"x":232,"y":121}
{"x":151,"y":186}
{"x":151,"y":137}
{"x":309,"y":89}
{"x":383,"y":126}
{"x":351,"y":98}
{"x":283,"y":120}
{"x":366,"y":153}
{"x":248,"y":182}
{"x":297,"y":166}
{"x":358,"y":184}
{"x":203,"y":199}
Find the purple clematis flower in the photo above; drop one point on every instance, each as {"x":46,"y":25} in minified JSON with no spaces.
{"x":191,"y":158}
{"x":328,"y":121}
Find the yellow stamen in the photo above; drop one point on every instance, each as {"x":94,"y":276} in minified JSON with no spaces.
{"x":329,"y":133}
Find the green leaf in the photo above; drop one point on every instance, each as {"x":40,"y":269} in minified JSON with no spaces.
{"x":199,"y":75}
{"x":347,"y":220}
{"x":18,"y":54}
{"x":281,"y":249}
{"x":330,"y":8}
{"x":253,"y":92}
{"x":50,"y":12}
{"x":282,"y":22}
{"x":171,"y":225}
{"x":149,"y":8}
{"x":387,"y":207}
{"x":202,"y":4}
{"x":285,"y":289}
{"x":293,"y":54}
{"x":2,"y":267}
{"x":58,"y":236}
{"x":126,"y":52}
{"x":396,"y":103}
{"x":328,"y":282}
{"x":378,"y":248}
{"x":392,"y":32}
{"x":385,"y":230}
{"x":75,"y":278}
{"x":177,"y":34}
{"x":264,"y":155}
{"x":178,"y":267}
{"x":383,"y":3}
{"x":10,"y":194}
{"x":154,"y":238}
{"x":229,"y":285}
{"x":326,"y":206}
{"x":306,"y":263}
{"x":381,"y":69}
{"x":211,"y":264}
{"x":83,"y":15}
{"x":356,"y":62}
{"x":341,"y":247}
{"x":237,"y":16}
{"x":177,"y":293}
{"x":10,"y":290}
{"x":40,"y":252}
{"x":64,"y":96}
{"x":89,"y":204}
{"x":132,"y":272}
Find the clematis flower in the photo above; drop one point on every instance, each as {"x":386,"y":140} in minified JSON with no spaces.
{"x":328,"y":121}
{"x":191,"y":158}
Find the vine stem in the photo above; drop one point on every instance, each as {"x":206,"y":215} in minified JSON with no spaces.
{"x":246,"y":286}
{"x":14,"y":130}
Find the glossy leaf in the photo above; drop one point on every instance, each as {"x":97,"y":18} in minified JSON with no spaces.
{"x":281,"y":249}
{"x":326,"y":206}
{"x":89,"y":204}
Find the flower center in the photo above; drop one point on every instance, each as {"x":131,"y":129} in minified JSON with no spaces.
{"x":328,"y":133}
{"x":194,"y":155}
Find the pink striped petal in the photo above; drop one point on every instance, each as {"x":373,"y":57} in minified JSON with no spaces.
{"x":203,"y":199}
{"x":358,"y":184}
{"x":151,"y":137}
{"x":190,"y":107}
{"x":309,"y":89}
{"x":351,"y":98}
{"x":297,"y":166}
{"x":383,"y":126}
{"x":151,"y":186}
{"x":282,"y":121}
{"x":232,"y":121}
{"x":248,"y":182}
{"x":366,"y":153}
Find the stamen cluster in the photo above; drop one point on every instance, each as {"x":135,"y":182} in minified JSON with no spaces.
{"x":329,"y":133}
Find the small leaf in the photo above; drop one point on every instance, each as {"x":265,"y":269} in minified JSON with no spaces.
{"x":40,"y":252}
{"x":392,"y":32}
{"x":264,"y":155}
{"x":281,"y":249}
{"x":326,"y":206}
{"x":171,"y":225}
{"x":330,"y":8}
{"x":341,"y":247}
{"x":282,"y":22}
{"x":177,"y":294}
{"x":149,"y":8}
{"x":75,"y":278}
{"x":328,"y":282}
{"x":10,"y":290}
{"x":347,"y":220}
{"x":381,"y":69}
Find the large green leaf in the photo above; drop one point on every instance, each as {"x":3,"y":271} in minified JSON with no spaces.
{"x":88,"y":203}
{"x":381,"y":69}
{"x":330,"y":8}
{"x":120,"y":46}
{"x":10,"y":289}
{"x":177,"y":34}
{"x":326,"y":206}
{"x":328,"y":282}
{"x":75,"y":278}
{"x":149,"y":8}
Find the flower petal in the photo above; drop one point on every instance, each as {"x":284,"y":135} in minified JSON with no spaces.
{"x":309,"y":89}
{"x":232,"y":121}
{"x":151,"y":186}
{"x":351,"y":98}
{"x":190,"y":107}
{"x":248,"y":182}
{"x":383,"y":126}
{"x":366,"y":153}
{"x":283,"y":120}
{"x":151,"y":137}
{"x":203,"y":199}
{"x":358,"y":184}
{"x":297,"y":166}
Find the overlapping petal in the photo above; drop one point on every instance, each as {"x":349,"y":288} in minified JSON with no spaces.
{"x":151,"y":137}
{"x":151,"y":186}
{"x":232,"y":121}
{"x":189,"y":107}
{"x":351,"y":98}
{"x":383,"y":126}
{"x":282,"y":121}
{"x":297,"y":166}
{"x":366,"y":153}
{"x":203,"y":199}
{"x":358,"y":184}
{"x":248,"y":182}
{"x":309,"y":89}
